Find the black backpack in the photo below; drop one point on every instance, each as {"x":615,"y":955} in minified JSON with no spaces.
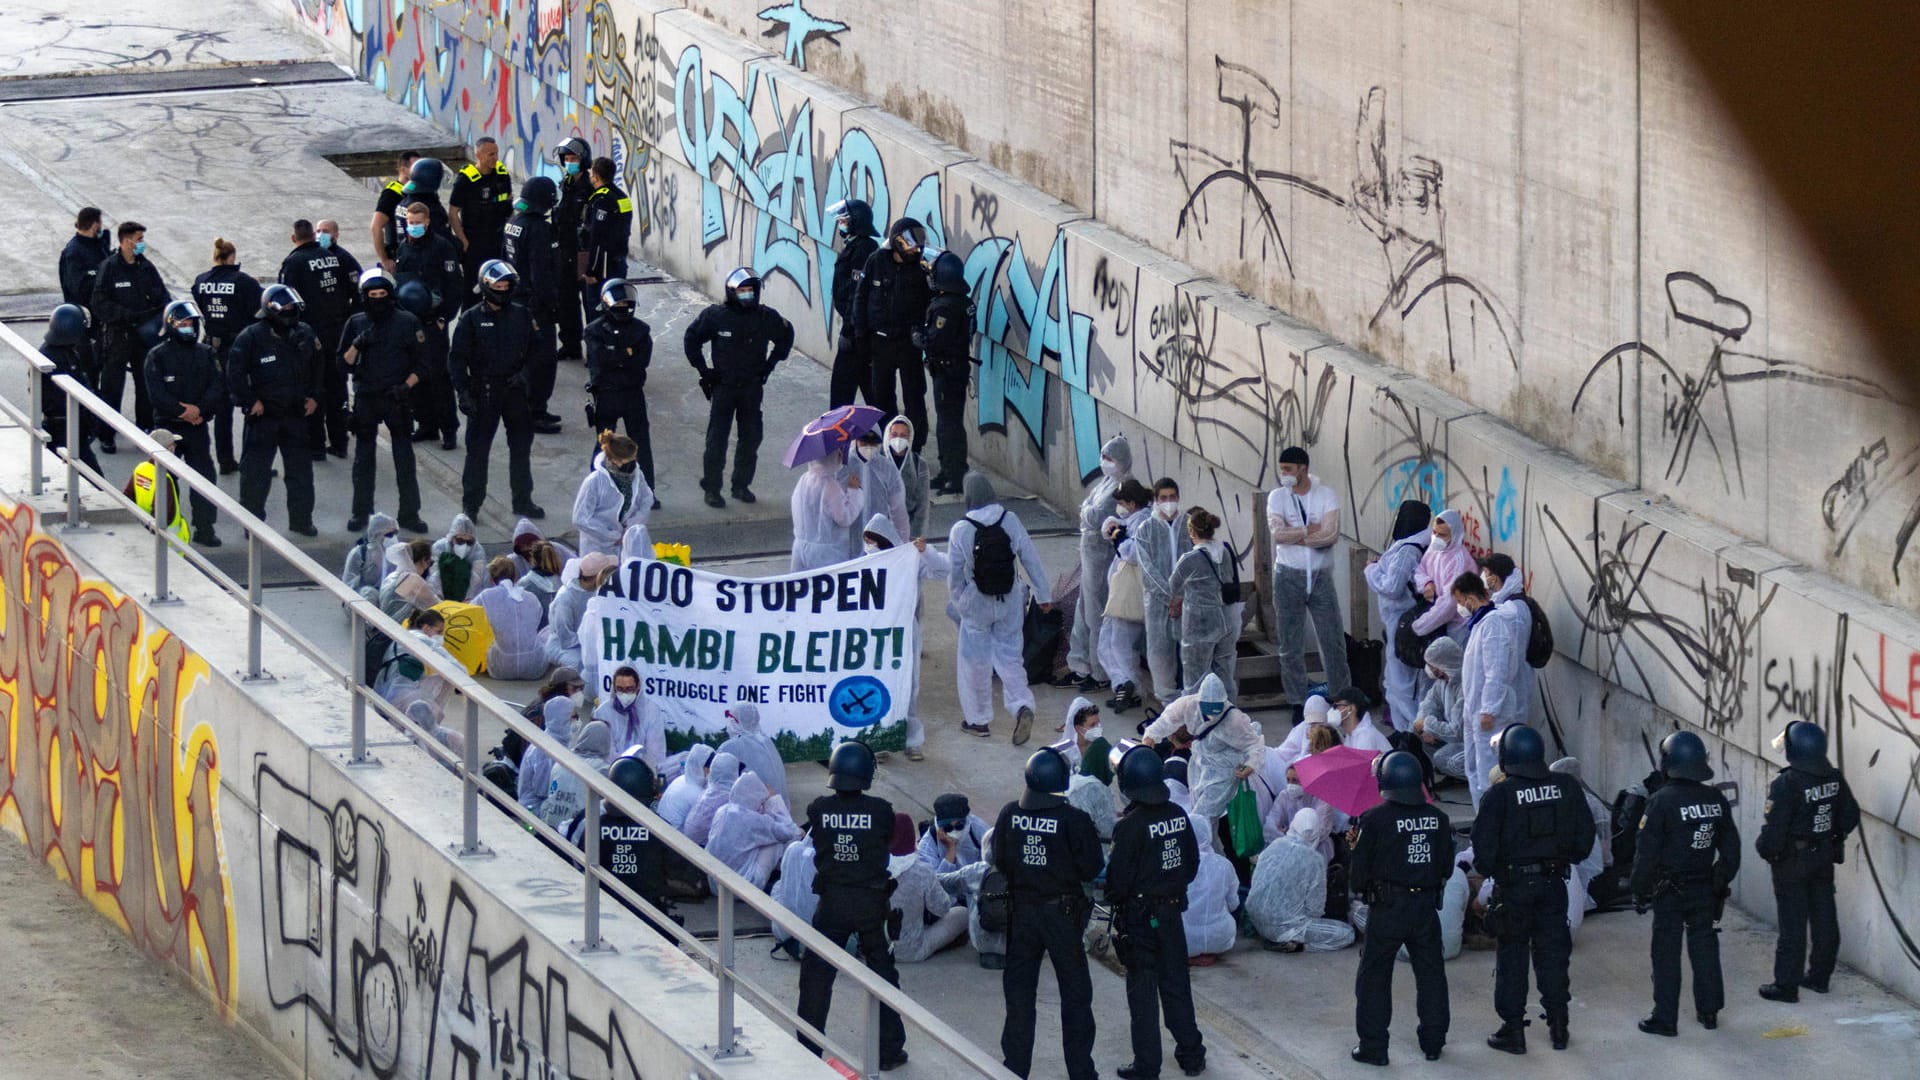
{"x":1540,"y":637}
{"x":1410,"y":648}
{"x":996,"y":902}
{"x":992,"y":557}
{"x":1229,"y":593}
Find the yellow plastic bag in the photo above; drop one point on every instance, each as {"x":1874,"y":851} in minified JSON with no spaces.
{"x":679,"y":554}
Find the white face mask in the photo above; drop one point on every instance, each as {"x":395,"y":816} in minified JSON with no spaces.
{"x":900,"y":445}
{"x":1109,"y":467}
{"x":1295,"y":790}
{"x":1168,"y":510}
{"x":1437,"y":543}
{"x":1462,"y":609}
{"x":579,"y":699}
{"x":1492,"y":584}
{"x":862,"y":451}
{"x":1288,"y":480}
{"x":388,"y":538}
{"x":871,"y":547}
{"x":626,"y":698}
{"x":1092,"y":733}
{"x":462,"y":549}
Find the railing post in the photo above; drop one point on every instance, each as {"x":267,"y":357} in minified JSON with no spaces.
{"x":163,"y":511}
{"x":470,"y":845}
{"x":254,"y":601}
{"x":870,"y":1045}
{"x":358,"y":757}
{"x":74,"y":440}
{"x":590,"y":940}
{"x":726,"y":1044}
{"x":36,"y":479}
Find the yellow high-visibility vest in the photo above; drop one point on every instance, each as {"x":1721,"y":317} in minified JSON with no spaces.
{"x":143,"y":498}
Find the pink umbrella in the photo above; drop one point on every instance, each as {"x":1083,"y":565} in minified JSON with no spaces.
{"x":1342,"y":777}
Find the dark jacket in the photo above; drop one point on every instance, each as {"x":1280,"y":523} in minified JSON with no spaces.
{"x":80,"y":264}
{"x":76,"y":360}
{"x":574,"y":193}
{"x":1685,"y":825}
{"x":747,"y":342}
{"x":1046,"y":852}
{"x":180,"y":374}
{"x":434,"y":261}
{"x":436,"y":221}
{"x":1403,"y":845}
{"x":1523,"y":822}
{"x":532,"y":245}
{"x":485,"y":202}
{"x":229,"y":300}
{"x":491,"y":346}
{"x":327,"y":279}
{"x":947,"y":335}
{"x":1155,"y":856}
{"x":891,"y":299}
{"x":281,"y":370}
{"x":127,"y":294}
{"x":617,"y":355}
{"x":391,"y":348}
{"x":1810,"y":812}
{"x":848,"y":269}
{"x":606,"y":226}
{"x":850,"y":832}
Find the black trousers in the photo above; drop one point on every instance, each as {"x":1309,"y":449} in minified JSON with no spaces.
{"x":1412,"y":921}
{"x":896,"y":359}
{"x":433,"y":398}
{"x":121,"y":352}
{"x":327,"y":427}
{"x":263,"y":437}
{"x":1046,"y":929}
{"x":1536,"y":926}
{"x":1687,"y":909}
{"x":950,"y":419}
{"x":852,"y":373}
{"x":610,"y":411}
{"x":842,"y":914}
{"x":543,"y":368}
{"x":1157,"y":981}
{"x":492,"y":409}
{"x":370,"y":413}
{"x":731,"y":402}
{"x":1803,"y":892}
{"x":567,"y":320}
{"x":195,"y":448}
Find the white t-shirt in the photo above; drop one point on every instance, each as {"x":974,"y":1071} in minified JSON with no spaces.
{"x":1294,"y":509}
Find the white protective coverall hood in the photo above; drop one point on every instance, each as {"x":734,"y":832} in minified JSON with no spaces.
{"x":824,"y":511}
{"x":1211,"y":899}
{"x":754,"y":748}
{"x":1289,"y":892}
{"x":720,"y":779}
{"x":752,"y":830}
{"x":685,"y":790}
{"x":366,"y":560}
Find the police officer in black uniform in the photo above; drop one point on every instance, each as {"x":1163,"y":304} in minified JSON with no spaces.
{"x":1810,"y":812}
{"x":386,"y":206}
{"x":432,"y":260}
{"x":576,"y":187}
{"x":852,"y":368}
{"x":1533,"y":826}
{"x":479,"y":205}
{"x":947,"y":338}
{"x":1683,"y":866}
{"x":274,"y":371}
{"x":490,"y":363}
{"x":628,"y":849}
{"x":532,"y":245}
{"x":1155,"y":858}
{"x":1400,"y":863}
{"x":80,"y":260}
{"x":385,"y":349}
{"x":888,"y":306}
{"x":606,"y":226}
{"x":619,"y":348}
{"x":324,"y":273}
{"x":127,"y":298}
{"x":1048,"y":851}
{"x":68,"y":346}
{"x":187,"y":391}
{"x":423,"y":186}
{"x":850,"y":832}
{"x":229,"y":301}
{"x":749,"y":340}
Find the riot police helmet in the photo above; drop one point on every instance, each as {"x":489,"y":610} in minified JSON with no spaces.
{"x":851,"y":767}
{"x":426,"y":176}
{"x":743,"y":287}
{"x":1142,"y":775}
{"x":1400,"y":777}
{"x":1522,"y":752}
{"x":1684,"y":757}
{"x":633,"y":776}
{"x":1047,"y":778}
{"x":68,"y":325}
{"x":182,"y":320}
{"x":1805,"y":744}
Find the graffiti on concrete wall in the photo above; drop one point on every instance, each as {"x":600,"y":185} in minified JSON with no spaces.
{"x":102,"y":774}
{"x":402,"y":975}
{"x":799,"y":28}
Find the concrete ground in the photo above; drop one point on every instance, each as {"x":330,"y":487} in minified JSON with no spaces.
{"x":244,"y":162}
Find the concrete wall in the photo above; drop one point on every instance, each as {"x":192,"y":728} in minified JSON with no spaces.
{"x":1517,"y":265}
{"x":320,"y":907}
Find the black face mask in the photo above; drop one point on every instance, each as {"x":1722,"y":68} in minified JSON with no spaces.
{"x":621,"y":313}
{"x":285,"y":320}
{"x":493,"y":298}
{"x":378,"y":305}
{"x":626,"y":468}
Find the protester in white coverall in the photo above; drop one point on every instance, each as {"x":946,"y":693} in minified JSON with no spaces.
{"x":685,"y":790}
{"x":366,"y":564}
{"x":1505,"y":590}
{"x":1303,"y":519}
{"x":825,"y":506}
{"x":1491,"y":668}
{"x":536,"y":765}
{"x":632,"y":724}
{"x":614,"y":495}
{"x":1090,"y":788}
{"x":991,"y":627}
{"x":913,"y":474}
{"x":1357,"y":728}
{"x":793,"y":889}
{"x":636,"y":543}
{"x":1209,"y":626}
{"x":1579,"y":900}
{"x":1438,"y":720}
{"x":542,"y":577}
{"x":1122,"y":639}
{"x":460,"y":543}
{"x":1212,"y":898}
{"x":526,"y":537}
{"x":721,"y":776}
{"x":930,"y":920}
{"x":934,"y":566}
{"x":751,"y":831}
{"x":1289,"y":893}
{"x":952,"y":839}
{"x":1156,"y":546}
{"x":1277,"y":816}
{"x":404,"y":680}
{"x":964,"y":885}
{"x":1096,"y":554}
{"x":514,"y":615}
{"x":882,"y":490}
{"x":1294,"y":746}
{"x":1446,"y":559}
{"x":566,"y":791}
{"x":578,"y":582}
{"x":1227,"y":745}
{"x":1390,"y":577}
{"x":754,"y":747}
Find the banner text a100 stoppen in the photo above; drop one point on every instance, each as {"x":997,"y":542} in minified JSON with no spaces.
{"x":826,"y":655}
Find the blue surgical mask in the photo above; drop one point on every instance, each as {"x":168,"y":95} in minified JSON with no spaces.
{"x":572,"y":168}
{"x":416,"y":231}
{"x":186,"y":333}
{"x":747,"y":297}
{"x":324,"y":239}
{"x":407,"y":187}
{"x":1212,"y":711}
{"x":139,"y":247}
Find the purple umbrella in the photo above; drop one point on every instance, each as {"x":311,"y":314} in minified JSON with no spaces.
{"x":832,"y":431}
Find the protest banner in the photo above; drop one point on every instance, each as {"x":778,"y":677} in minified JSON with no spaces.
{"x":826,"y":655}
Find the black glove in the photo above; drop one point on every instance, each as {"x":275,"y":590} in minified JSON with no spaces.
{"x":765,"y":375}
{"x":1641,"y":904}
{"x":593,"y":424}
{"x":464,"y":401}
{"x":706,"y":384}
{"x":919,"y":338}
{"x":364,"y":342}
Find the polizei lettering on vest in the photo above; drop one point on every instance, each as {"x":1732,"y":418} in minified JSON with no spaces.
{"x":1168,"y":827}
{"x":846,"y":821}
{"x":1821,"y":792}
{"x":1029,"y":823}
{"x":1543,"y":793}
{"x":1700,"y":813}
{"x":1425,"y":824}
{"x":633,"y":833}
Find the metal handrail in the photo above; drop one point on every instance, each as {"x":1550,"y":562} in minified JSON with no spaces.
{"x":363,"y":615}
